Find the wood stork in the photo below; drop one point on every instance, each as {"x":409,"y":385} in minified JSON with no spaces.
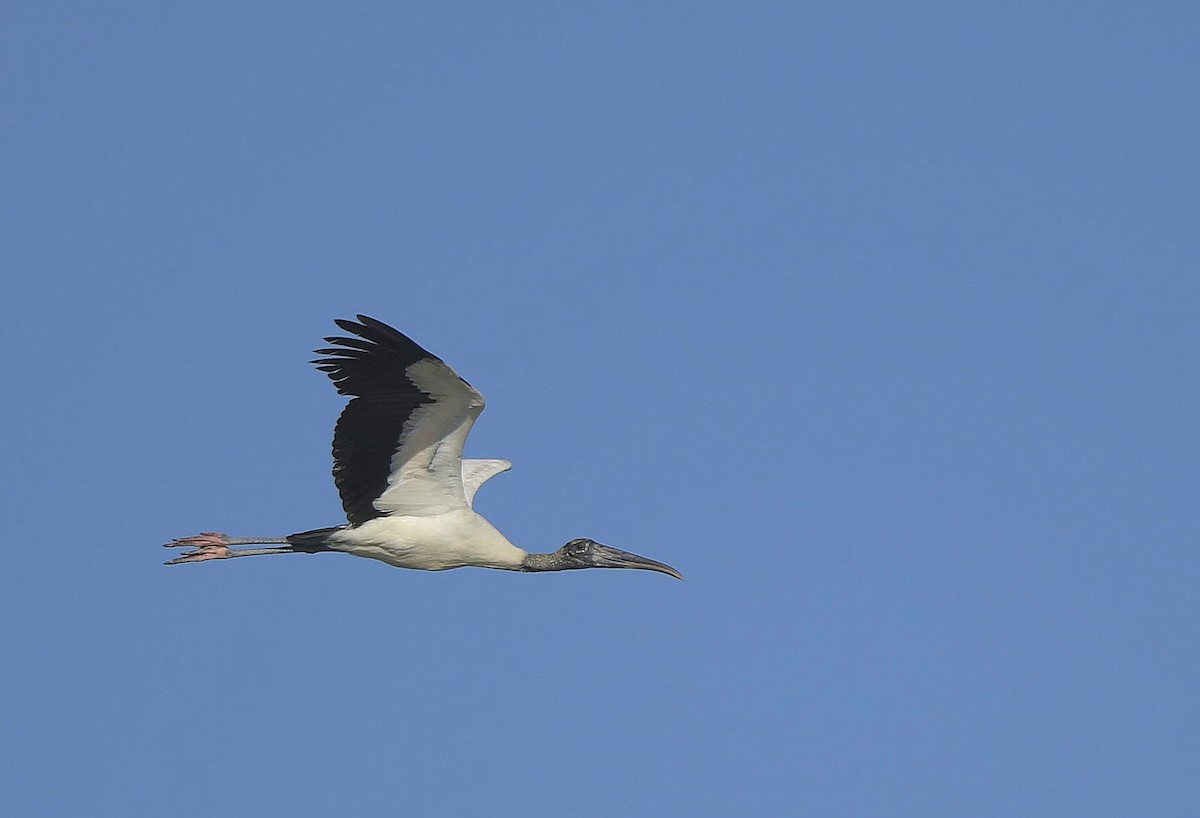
{"x":398,"y":465}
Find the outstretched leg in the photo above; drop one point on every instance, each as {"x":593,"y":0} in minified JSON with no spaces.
{"x":213,"y":546}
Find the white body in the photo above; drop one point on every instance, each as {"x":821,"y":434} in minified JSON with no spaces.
{"x":431,"y":543}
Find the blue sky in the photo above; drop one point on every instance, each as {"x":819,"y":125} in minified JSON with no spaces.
{"x":876,"y":320}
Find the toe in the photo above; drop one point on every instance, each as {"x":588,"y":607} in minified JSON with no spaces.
{"x":202,"y":540}
{"x":202,"y":554}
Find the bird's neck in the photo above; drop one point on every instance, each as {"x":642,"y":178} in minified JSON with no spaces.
{"x":541,"y":562}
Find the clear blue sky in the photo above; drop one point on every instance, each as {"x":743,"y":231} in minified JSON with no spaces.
{"x":878,"y":320}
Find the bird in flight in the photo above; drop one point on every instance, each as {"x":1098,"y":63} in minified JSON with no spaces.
{"x":398,"y":466}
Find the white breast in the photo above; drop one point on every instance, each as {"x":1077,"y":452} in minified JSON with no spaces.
{"x":435,"y":543}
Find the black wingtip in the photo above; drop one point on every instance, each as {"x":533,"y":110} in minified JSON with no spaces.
{"x":348,"y":326}
{"x":369,"y":323}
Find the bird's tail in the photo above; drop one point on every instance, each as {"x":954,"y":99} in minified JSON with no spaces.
{"x":313,"y":542}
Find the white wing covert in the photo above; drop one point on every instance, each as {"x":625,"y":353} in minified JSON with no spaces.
{"x":477,"y":472}
{"x":397,"y":447}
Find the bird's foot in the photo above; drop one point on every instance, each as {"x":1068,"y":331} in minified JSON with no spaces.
{"x":199,"y":540}
{"x":206,"y":546}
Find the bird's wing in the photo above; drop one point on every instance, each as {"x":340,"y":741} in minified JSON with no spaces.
{"x":477,"y":472}
{"x":397,"y":447}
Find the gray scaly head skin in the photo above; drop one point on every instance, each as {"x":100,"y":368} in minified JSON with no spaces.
{"x":585,"y":553}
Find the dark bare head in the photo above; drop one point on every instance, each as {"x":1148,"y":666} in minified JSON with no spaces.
{"x":585,"y":553}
